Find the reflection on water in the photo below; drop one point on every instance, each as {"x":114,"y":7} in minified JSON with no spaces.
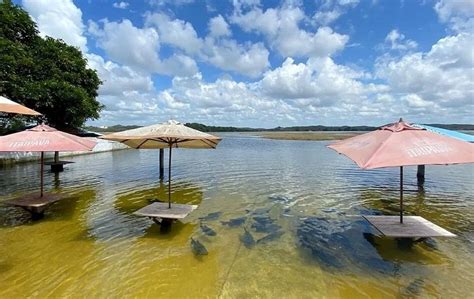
{"x":275,"y":217}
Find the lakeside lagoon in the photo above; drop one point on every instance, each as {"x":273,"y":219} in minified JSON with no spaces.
{"x":286,"y":216}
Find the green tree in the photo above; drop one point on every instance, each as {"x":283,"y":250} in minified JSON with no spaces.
{"x":45,"y":74}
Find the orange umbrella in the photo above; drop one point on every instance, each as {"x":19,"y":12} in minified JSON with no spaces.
{"x":401,"y":144}
{"x":42,"y":139}
{"x":8,"y":106}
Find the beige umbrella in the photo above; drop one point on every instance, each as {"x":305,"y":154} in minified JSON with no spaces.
{"x":8,"y":106}
{"x":166,"y":135}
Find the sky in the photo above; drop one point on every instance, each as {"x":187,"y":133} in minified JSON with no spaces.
{"x":272,"y":63}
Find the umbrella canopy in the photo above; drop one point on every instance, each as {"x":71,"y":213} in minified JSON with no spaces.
{"x":43,"y":138}
{"x":401,"y":144}
{"x":8,"y":106}
{"x":165,"y":135}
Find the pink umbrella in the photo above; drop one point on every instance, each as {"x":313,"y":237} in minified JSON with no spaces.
{"x":401,"y":144}
{"x":42,"y":139}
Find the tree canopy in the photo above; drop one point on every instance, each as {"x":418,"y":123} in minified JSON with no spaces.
{"x":45,"y":74}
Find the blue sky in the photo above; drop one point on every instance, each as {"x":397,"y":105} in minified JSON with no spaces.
{"x":272,"y":63}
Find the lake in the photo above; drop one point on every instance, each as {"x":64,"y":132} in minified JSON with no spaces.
{"x":286,"y":217}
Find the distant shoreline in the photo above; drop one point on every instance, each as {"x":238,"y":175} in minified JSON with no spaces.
{"x":308,"y":136}
{"x":315,"y":128}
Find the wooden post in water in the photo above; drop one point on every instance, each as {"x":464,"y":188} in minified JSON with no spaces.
{"x":169,"y":178}
{"x":162,"y":164}
{"x":420,"y":175}
{"x":56,"y":157}
{"x":401,"y":194}
{"x":41,"y":175}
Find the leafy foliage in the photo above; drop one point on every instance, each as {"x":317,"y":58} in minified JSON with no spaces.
{"x":45,"y":74}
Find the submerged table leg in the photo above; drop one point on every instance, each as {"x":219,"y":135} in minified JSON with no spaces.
{"x":156,"y":220}
{"x":37,"y":213}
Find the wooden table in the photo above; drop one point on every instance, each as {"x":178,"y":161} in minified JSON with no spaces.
{"x":34,"y":204}
{"x":412,"y":227}
{"x":162,"y":215}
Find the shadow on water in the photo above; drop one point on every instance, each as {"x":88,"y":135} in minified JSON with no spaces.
{"x":168,"y":232}
{"x":353,"y":246}
{"x":432,"y":207}
{"x":5,"y":267}
{"x":182,"y":193}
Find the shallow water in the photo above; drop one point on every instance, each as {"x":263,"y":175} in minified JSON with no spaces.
{"x":286,"y":216}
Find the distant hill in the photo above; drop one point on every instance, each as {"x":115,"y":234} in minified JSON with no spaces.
{"x":111,"y":129}
{"x":205,"y":128}
{"x":317,"y":128}
{"x":455,"y":127}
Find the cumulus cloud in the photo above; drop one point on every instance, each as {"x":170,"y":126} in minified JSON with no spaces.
{"x":139,"y":48}
{"x":219,"y":27}
{"x":326,"y":17}
{"x":121,"y":4}
{"x":320,"y":81}
{"x":331,"y":10}
{"x":169,"y":2}
{"x":178,"y":65}
{"x":59,"y":19}
{"x":248,"y":59}
{"x":397,"y":41}
{"x":127,"y":44}
{"x":281,"y":27}
{"x":178,"y":33}
{"x":216,"y":48}
{"x":442,"y":76}
{"x":118,"y":79}
{"x":459,"y":14}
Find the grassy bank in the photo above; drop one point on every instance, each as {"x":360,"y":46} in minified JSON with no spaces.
{"x":314,"y":136}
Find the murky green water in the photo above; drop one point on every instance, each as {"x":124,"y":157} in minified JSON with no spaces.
{"x":286,"y":216}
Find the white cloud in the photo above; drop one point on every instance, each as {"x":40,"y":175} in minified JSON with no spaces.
{"x":169,"y":2}
{"x":281,"y":28}
{"x":442,"y":76}
{"x":178,"y":33}
{"x":320,"y":81}
{"x":397,"y":41}
{"x":59,"y":19}
{"x":326,"y":17}
{"x":248,"y":59}
{"x":127,"y":44}
{"x":178,"y":65}
{"x":217,"y":49}
{"x":121,"y":4}
{"x":415,"y":101}
{"x":324,"y":42}
{"x":331,"y":10}
{"x":139,"y":48}
{"x":459,"y":14}
{"x":219,"y":27}
{"x":118,"y":79}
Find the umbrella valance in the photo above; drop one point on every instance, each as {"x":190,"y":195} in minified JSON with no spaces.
{"x":9,"y":106}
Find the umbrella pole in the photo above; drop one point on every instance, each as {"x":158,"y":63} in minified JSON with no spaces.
{"x":162,"y":163}
{"x":401,"y":194}
{"x":169,"y":178}
{"x":41,"y":175}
